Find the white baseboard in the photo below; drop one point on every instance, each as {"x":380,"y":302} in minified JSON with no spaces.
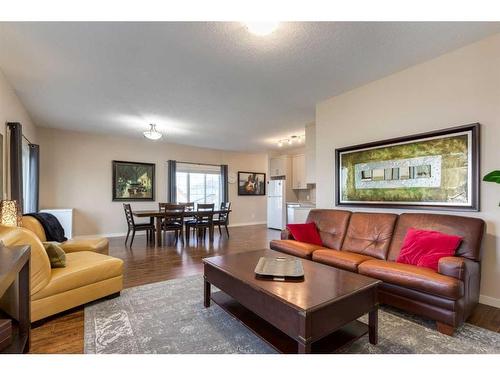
{"x":143,"y":233}
{"x":486,"y":300}
{"x":246,"y":224}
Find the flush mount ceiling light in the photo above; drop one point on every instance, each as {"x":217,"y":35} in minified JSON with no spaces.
{"x":261,"y":28}
{"x":152,"y":133}
{"x":294,"y":139}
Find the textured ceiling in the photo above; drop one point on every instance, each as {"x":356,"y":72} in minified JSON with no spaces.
{"x":207,"y":83}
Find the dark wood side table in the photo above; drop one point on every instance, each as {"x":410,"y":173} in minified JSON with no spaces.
{"x":15,"y":264}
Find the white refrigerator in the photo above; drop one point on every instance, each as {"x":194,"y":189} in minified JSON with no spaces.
{"x":276,"y":205}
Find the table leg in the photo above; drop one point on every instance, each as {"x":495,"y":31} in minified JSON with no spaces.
{"x":373,"y":326}
{"x":206,"y":294}
{"x":158,"y":231}
{"x":24,"y":304}
{"x":211,"y":233}
{"x":304,"y":348}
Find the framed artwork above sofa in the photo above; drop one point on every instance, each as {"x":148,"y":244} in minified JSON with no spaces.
{"x":434,"y":170}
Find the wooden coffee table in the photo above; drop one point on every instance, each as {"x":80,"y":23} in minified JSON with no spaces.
{"x":316,"y":315}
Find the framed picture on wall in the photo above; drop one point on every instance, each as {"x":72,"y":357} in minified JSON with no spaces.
{"x":133,"y":181}
{"x":251,"y":183}
{"x":435,"y":170}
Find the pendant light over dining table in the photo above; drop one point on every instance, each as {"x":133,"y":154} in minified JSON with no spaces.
{"x":152,"y":133}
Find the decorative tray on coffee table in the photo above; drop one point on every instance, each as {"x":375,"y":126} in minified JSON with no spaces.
{"x":279,"y":268}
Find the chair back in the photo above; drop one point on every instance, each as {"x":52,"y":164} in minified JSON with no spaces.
{"x":224,"y":217}
{"x":162,"y":205}
{"x":204,"y":212}
{"x":188,"y":205}
{"x":128,"y":215}
{"x":174,"y":213}
{"x":32,"y":224}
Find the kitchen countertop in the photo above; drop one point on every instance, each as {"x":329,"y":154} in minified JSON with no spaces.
{"x":303,"y":204}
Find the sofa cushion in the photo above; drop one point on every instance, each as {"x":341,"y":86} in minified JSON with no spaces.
{"x":82,"y":268}
{"x":297,"y":248}
{"x":86,"y":243}
{"x":305,"y":233}
{"x":340,"y":259}
{"x":413,"y":277}
{"x":331,"y":224}
{"x":370,"y":234}
{"x":424,"y":248}
{"x":469,"y":228}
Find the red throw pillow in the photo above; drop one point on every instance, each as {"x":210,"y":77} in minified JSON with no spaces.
{"x":305,"y":233}
{"x":424,"y":248}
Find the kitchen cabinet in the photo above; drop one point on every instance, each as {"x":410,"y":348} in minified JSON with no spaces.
{"x":299,"y":172}
{"x":278,"y":166}
{"x":310,"y":153}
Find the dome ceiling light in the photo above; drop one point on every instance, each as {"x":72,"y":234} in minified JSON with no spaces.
{"x":152,"y":133}
{"x":261,"y":28}
{"x":293,"y":140}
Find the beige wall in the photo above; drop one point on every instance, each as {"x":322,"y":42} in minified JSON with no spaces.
{"x":12,"y":110}
{"x":76,"y":173}
{"x":458,"y":88}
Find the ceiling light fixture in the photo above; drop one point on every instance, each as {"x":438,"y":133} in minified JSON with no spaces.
{"x":152,"y":133}
{"x":290,"y":141}
{"x":261,"y":28}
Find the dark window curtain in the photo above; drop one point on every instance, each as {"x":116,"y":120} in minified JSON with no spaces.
{"x":225,"y":184}
{"x":16,"y":162}
{"x":172,"y":183}
{"x":34,"y":178}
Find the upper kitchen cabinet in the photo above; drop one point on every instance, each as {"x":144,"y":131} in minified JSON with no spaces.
{"x":310,"y":154}
{"x":299,"y":172}
{"x":278,"y":166}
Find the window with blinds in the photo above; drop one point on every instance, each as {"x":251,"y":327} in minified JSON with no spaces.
{"x":199,"y":183}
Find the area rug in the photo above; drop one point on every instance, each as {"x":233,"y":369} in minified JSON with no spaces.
{"x":169,"y":317}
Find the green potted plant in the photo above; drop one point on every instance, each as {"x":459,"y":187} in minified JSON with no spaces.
{"x":493,"y":177}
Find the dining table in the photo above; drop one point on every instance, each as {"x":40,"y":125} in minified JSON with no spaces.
{"x":158,"y":215}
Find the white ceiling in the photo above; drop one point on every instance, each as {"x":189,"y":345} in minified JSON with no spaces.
{"x":207,"y":84}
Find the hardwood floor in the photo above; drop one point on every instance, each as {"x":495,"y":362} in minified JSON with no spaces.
{"x":144,"y":264}
{"x":148,"y":264}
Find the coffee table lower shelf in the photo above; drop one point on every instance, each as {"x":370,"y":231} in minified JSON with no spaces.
{"x":279,"y":340}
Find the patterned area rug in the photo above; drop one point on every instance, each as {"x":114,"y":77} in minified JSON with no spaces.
{"x":169,"y":317}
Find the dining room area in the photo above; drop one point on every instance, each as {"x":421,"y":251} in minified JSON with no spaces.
{"x":195,"y":206}
{"x":186,"y":220}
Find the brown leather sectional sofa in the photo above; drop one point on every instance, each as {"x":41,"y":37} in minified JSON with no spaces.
{"x":369,"y":243}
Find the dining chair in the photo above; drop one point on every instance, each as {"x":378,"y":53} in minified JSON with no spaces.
{"x":189,"y":205}
{"x":203,"y":220}
{"x":223,"y":218}
{"x":134,"y":227}
{"x":173,"y":220}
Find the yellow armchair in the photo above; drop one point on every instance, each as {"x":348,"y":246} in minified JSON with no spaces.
{"x":87,"y":276}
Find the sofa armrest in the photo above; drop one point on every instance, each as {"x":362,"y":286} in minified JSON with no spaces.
{"x":453,"y":266}
{"x":286,"y":235}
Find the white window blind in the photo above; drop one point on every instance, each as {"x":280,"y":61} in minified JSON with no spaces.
{"x":198,"y":168}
